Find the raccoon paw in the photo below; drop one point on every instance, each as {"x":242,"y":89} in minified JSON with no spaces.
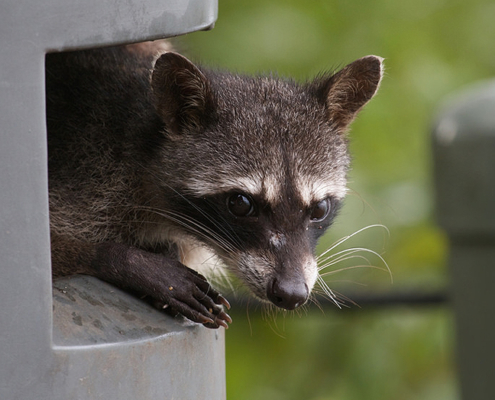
{"x":188,"y":293}
{"x":161,"y":280}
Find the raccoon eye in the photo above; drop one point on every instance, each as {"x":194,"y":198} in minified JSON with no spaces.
{"x":320,"y":211}
{"x":240,"y":205}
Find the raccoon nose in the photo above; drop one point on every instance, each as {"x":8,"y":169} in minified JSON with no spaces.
{"x":287,"y":293}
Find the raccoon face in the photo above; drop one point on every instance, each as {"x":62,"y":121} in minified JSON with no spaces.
{"x":278,"y":262}
{"x":256,"y":167}
{"x":270,"y":247}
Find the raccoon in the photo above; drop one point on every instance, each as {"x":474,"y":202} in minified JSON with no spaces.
{"x":162,"y":172}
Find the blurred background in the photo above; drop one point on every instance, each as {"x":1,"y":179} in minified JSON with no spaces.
{"x":432,"y":48}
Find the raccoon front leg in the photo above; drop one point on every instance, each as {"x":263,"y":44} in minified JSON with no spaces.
{"x":168,"y":282}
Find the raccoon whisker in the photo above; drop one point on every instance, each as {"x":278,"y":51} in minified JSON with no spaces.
{"x":337,"y":257}
{"x":339,"y":298}
{"x":353,"y":253}
{"x":349,"y":255}
{"x":387,"y":268}
{"x":185,"y":220}
{"x":194,"y":226}
{"x":201,"y":230}
{"x":229,"y":232}
{"x":343,"y":300}
{"x":211,"y":219}
{"x":329,"y":264}
{"x":181,"y":219}
{"x":271,"y":312}
{"x":347,"y":281}
{"x":328,"y":292}
{"x":274,"y":329}
{"x":366,"y":203}
{"x":345,"y":238}
{"x":208,"y":235}
{"x":313,"y":299}
{"x":220,"y":277}
{"x":351,"y":268}
{"x":303,"y":309}
{"x":208,"y":217}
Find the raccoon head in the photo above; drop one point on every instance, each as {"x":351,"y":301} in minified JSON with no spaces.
{"x":255,"y":167}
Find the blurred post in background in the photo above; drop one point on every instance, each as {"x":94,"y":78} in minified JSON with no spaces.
{"x":464,"y":148}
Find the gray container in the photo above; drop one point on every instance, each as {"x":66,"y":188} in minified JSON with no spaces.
{"x":464,"y":155}
{"x":88,"y":340}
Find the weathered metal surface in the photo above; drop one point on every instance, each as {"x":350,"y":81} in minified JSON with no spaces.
{"x":164,"y":362}
{"x":108,"y":343}
{"x":87,"y":311}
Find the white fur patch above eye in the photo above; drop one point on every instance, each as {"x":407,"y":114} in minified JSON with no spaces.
{"x":313,"y":190}
{"x":256,"y":185}
{"x":272,"y":188}
{"x":204,"y":187}
{"x":310,"y":189}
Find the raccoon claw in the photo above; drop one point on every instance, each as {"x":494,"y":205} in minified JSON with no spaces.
{"x":217,"y":318}
{"x":207,"y":321}
{"x":222,"y":300}
{"x":222,"y":321}
{"x":210,"y":319}
{"x":225,"y":316}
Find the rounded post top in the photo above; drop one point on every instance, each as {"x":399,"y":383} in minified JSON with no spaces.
{"x":464,"y":163}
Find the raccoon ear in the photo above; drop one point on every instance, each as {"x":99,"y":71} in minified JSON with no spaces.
{"x":182,"y":94}
{"x":348,"y":90}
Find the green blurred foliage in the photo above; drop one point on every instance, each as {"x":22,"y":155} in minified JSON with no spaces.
{"x":360,"y":355}
{"x":431,"y":49}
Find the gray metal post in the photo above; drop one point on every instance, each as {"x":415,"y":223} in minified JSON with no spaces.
{"x":464,"y":155}
{"x":80,"y":343}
